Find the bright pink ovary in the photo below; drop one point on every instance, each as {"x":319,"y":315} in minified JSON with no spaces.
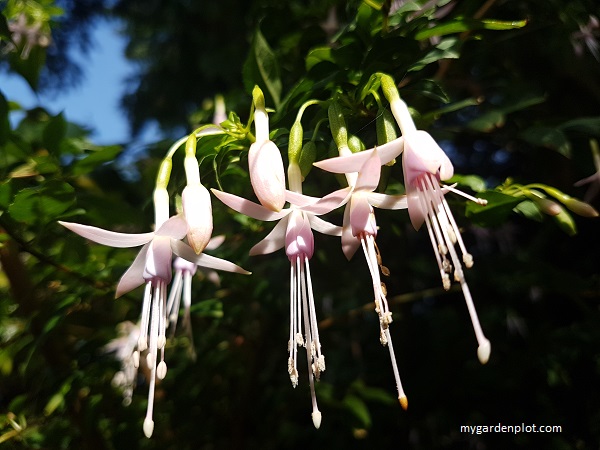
{"x":299,"y":239}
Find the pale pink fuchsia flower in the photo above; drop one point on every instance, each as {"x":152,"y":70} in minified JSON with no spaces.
{"x":294,"y":232}
{"x":588,"y":35}
{"x":425,"y":165}
{"x":265,"y":163}
{"x":360,"y":229}
{"x":152,"y":266}
{"x":27,"y":34}
{"x":125,"y":349}
{"x":594,"y":179}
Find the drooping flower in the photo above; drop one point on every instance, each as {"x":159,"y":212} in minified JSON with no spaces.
{"x":594,"y":179}
{"x":153,"y":267}
{"x":360,"y":229}
{"x":294,"y":232}
{"x":125,"y":349}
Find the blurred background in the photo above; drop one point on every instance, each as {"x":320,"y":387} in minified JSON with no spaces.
{"x":93,"y":93}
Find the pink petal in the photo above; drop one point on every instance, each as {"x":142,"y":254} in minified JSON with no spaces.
{"x":298,"y":199}
{"x":249,"y":208}
{"x":385,"y":201}
{"x":353,"y":163}
{"x":415,"y":208}
{"x":349,"y":243}
{"x":110,"y":238}
{"x":299,"y":238}
{"x":133,"y":277}
{"x":215,"y":242}
{"x":324,"y":227}
{"x":329,"y":202}
{"x":362,"y":218}
{"x":422,"y":154}
{"x":159,"y":260}
{"x":176,"y":228}
{"x":369,"y":174}
{"x":184,"y":251}
{"x":273,"y":241}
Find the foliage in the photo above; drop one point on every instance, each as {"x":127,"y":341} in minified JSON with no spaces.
{"x":501,"y":89}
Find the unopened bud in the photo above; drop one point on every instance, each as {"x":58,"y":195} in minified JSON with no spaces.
{"x":581,"y":208}
{"x":197,"y":209}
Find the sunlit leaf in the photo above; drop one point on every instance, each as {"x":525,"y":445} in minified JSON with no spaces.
{"x":466,"y":24}
{"x":42,"y":203}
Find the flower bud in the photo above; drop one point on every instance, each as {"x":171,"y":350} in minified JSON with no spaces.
{"x":197,"y":210}
{"x":581,"y":208}
{"x":267,"y":174}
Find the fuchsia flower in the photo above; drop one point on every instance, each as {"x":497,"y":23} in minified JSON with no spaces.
{"x":360,"y":229}
{"x":152,"y":266}
{"x":425,"y":165}
{"x":294,"y":232}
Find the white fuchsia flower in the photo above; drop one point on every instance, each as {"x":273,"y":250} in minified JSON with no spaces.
{"x":294,"y":232}
{"x":360,"y":229}
{"x":153,"y":266}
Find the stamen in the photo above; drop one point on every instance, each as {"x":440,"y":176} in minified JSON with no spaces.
{"x":479,"y":201}
{"x":173,"y":301}
{"x":401,"y":395}
{"x":143,"y":339}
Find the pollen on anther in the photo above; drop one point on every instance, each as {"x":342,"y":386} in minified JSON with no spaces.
{"x":403,"y":402}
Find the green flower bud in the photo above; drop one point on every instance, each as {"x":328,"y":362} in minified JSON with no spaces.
{"x":581,"y":208}
{"x":386,"y":130}
{"x":565,"y":222}
{"x":337,"y":124}
{"x":295,"y":142}
{"x":355,"y":144}
{"x":307,"y":157}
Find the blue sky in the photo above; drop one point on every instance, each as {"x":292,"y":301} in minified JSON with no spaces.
{"x":95,"y":102}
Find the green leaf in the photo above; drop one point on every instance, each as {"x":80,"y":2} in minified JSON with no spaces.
{"x":31,"y":67}
{"x":530,"y":210}
{"x":499,"y":207}
{"x":262,"y":68}
{"x":4,"y":123}
{"x":318,"y":55}
{"x":449,"y":48}
{"x":474,"y":182}
{"x":358,"y":407}
{"x":461,"y":25}
{"x":96,"y":158}
{"x":586,"y":125}
{"x":4,"y":30}
{"x":41,"y":204}
{"x":549,"y":137}
{"x":54,"y":133}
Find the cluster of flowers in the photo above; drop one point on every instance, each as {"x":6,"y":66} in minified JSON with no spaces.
{"x":425,"y":166}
